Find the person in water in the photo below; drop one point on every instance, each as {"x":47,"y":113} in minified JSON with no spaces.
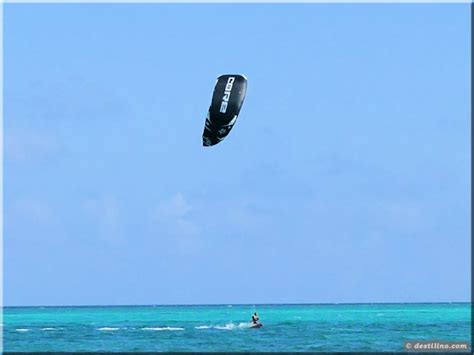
{"x":255,"y":318}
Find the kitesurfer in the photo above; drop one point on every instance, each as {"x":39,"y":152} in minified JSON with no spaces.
{"x":255,"y":318}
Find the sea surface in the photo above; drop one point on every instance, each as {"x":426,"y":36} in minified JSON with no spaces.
{"x":334,"y":327}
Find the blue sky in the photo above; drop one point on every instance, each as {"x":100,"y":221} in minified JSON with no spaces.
{"x":345,"y":179}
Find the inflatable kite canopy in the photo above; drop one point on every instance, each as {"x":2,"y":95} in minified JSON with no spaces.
{"x":227,"y":100}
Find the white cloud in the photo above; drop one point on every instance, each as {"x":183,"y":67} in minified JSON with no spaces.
{"x":243,"y":218}
{"x":403,"y":214}
{"x":33,"y":211}
{"x":29,"y":146}
{"x":177,"y":206}
{"x":107,"y":213}
{"x":57,"y":100}
{"x":173,"y":217}
{"x":27,"y":216}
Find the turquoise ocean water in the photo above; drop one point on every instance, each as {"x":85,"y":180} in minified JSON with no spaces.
{"x":361,"y":327}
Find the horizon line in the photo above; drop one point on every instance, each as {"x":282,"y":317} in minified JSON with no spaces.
{"x":234,"y":304}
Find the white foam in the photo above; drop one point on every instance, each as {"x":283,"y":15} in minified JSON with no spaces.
{"x":162,"y":328}
{"x":108,"y":329}
{"x":48,"y":328}
{"x":22,"y":330}
{"x":225,"y":327}
{"x":203,"y":327}
{"x":231,"y":326}
{"x":244,"y":325}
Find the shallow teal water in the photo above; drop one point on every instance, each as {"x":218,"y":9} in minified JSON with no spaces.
{"x":363,"y":327}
